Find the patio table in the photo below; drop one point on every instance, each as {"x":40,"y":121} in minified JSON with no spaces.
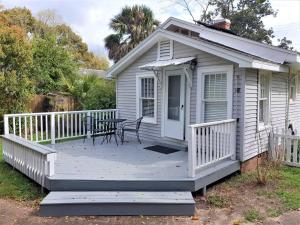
{"x":110,"y":127}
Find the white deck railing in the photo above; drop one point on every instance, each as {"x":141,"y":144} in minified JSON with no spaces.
{"x":209,"y":143}
{"x":285,"y":147}
{"x":32,"y":159}
{"x":52,"y":126}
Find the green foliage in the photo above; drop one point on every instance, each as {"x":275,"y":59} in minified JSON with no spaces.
{"x":253,"y":215}
{"x":131,"y":26}
{"x":14,"y":185}
{"x":15,"y":65}
{"x":218,"y":201}
{"x":289,"y":187}
{"x":285,"y":43}
{"x":246,"y":16}
{"x":52,"y":63}
{"x":91,"y":92}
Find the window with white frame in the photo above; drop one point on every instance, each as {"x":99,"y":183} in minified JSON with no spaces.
{"x":292,"y":88}
{"x":215,"y":96}
{"x":263,"y":99}
{"x":146,"y":98}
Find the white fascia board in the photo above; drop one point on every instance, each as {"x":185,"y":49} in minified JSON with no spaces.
{"x":269,"y":66}
{"x":262,"y":50}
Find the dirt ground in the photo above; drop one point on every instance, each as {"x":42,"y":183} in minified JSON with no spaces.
{"x":18,"y":213}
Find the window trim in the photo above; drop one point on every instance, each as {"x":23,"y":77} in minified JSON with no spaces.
{"x":171,"y":50}
{"x":264,"y":125}
{"x":201,"y":71}
{"x":139,"y":76}
{"x":293,"y":96}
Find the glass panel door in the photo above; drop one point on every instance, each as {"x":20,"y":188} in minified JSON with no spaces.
{"x":174,"y":97}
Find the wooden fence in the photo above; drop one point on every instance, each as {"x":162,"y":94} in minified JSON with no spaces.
{"x":285,"y":147}
{"x":52,"y":126}
{"x":209,"y":143}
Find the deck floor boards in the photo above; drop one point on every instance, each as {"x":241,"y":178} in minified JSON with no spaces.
{"x":130,"y":161}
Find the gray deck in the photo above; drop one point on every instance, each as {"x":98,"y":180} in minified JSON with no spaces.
{"x":130,"y":161}
{"x":129,"y":167}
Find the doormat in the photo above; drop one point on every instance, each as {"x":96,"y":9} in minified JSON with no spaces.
{"x":161,"y":149}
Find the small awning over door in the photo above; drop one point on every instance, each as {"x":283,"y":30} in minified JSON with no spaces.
{"x":157,"y":65}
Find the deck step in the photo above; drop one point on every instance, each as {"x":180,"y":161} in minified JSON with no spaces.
{"x":117,"y":203}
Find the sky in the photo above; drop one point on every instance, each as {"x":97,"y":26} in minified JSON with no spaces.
{"x":90,"y":18}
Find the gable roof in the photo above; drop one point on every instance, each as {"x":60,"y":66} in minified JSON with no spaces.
{"x":266,"y":51}
{"x":245,"y":52}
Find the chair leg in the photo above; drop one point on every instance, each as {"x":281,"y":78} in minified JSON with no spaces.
{"x":116,"y":138}
{"x":122,"y":137}
{"x":138,"y":137}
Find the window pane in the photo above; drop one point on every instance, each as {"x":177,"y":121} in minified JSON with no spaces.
{"x":147,"y":87}
{"x":263,"y":105}
{"x":148,"y":107}
{"x":215,"y":111}
{"x":174,"y":97}
{"x":215,"y":86}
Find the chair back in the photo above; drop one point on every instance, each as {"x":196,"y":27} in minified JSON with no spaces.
{"x":138,"y":123}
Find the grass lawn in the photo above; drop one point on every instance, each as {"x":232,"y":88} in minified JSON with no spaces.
{"x":255,"y":202}
{"x":13,"y":185}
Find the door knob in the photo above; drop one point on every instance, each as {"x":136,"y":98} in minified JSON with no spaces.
{"x":181,"y":106}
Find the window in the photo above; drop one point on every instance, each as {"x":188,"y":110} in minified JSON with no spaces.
{"x":264,"y":100}
{"x":215,"y":93}
{"x":146,"y":98}
{"x":292,"y":88}
{"x":165,"y":50}
{"x":215,"y":97}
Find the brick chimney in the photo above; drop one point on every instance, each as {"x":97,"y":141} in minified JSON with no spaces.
{"x":221,"y":24}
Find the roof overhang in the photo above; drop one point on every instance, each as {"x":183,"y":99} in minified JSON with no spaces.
{"x":236,"y":57}
{"x":269,"y":52}
{"x":158,"y":65}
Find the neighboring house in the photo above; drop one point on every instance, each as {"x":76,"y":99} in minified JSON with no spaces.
{"x":186,"y":73}
{"x":98,"y":73}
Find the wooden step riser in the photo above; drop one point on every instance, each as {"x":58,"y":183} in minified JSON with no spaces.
{"x":118,"y":209}
{"x":106,"y":185}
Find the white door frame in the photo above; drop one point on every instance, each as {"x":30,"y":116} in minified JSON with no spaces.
{"x":187,"y":91}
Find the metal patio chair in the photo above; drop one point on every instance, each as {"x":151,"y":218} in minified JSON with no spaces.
{"x":131,"y":126}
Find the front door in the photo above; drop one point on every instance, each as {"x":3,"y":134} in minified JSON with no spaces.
{"x":174,"y":104}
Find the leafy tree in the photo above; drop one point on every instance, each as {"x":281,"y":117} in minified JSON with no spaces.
{"x":15,"y":65}
{"x":285,"y":43}
{"x":21,"y":17}
{"x":91,"y":92}
{"x":51,"y":64}
{"x":245,"y":15}
{"x":131,"y":26}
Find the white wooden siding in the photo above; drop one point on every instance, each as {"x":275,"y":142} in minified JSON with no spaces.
{"x":278,"y":103}
{"x":126,"y":89}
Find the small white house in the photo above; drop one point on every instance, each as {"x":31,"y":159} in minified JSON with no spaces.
{"x":185,"y":74}
{"x":209,"y":96}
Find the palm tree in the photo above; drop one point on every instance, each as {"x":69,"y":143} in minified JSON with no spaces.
{"x":131,"y":26}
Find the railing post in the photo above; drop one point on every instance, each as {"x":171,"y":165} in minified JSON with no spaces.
{"x":233,"y":141}
{"x":53,"y":128}
{"x":6,"y":125}
{"x":88,"y":125}
{"x":191,"y":152}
